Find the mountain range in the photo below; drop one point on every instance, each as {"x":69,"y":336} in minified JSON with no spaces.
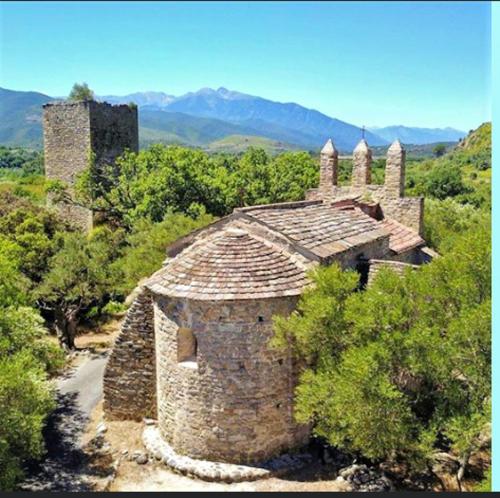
{"x":215,"y":117}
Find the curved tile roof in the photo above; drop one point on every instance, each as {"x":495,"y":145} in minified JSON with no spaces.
{"x":231,"y":264}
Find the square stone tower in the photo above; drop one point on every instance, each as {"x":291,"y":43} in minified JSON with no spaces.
{"x":74,"y":130}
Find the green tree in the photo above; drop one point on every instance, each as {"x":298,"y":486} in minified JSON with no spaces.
{"x":80,"y":91}
{"x":33,"y":230}
{"x":439,"y":150}
{"x":148,"y":183}
{"x":445,"y":181}
{"x":25,"y":401}
{"x":375,"y":382}
{"x":145,"y":246}
{"x":79,"y":275}
{"x":26,"y":355}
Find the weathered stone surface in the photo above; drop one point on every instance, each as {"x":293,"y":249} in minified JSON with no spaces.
{"x":235,"y":403}
{"x":130,"y":375}
{"x":361,"y":478}
{"x":361,"y":165}
{"x":194,"y":348}
{"x":231,"y":264}
{"x":395,"y":170}
{"x":74,"y":130}
{"x":397,"y":266}
{"x":220,"y":471}
{"x":390,"y":196}
{"x":329,"y":158}
{"x":402,"y":238}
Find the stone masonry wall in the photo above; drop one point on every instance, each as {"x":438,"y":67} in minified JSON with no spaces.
{"x":130,"y":375}
{"x":235,"y":403}
{"x":114,"y":128}
{"x":72,"y":130}
{"x":407,"y":210}
{"x":66,"y":138}
{"x":397,"y":266}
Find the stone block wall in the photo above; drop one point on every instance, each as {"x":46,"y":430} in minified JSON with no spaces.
{"x":113,"y":128}
{"x":130,"y":375}
{"x":66,"y":138}
{"x":234,"y":403}
{"x":398,"y":266}
{"x":407,"y":210}
{"x":72,"y":130}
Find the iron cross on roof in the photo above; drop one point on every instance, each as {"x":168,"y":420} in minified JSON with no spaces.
{"x":363,"y":132}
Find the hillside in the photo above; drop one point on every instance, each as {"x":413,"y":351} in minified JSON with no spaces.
{"x":200,"y":118}
{"x":21,"y":117}
{"x":416,"y":151}
{"x":418,"y":136}
{"x":196,"y":119}
{"x":176,"y":127}
{"x":236,"y":144}
{"x":464,"y":170}
{"x":312,"y":128}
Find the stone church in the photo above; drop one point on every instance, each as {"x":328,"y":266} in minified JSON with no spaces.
{"x":193,"y":351}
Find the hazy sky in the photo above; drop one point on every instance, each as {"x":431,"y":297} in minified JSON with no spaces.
{"x":371,"y":63}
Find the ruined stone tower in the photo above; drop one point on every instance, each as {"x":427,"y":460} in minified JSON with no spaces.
{"x":74,"y":130}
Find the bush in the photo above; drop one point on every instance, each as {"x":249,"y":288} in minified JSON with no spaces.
{"x":376,"y":384}
{"x":25,"y":401}
{"x":445,"y":181}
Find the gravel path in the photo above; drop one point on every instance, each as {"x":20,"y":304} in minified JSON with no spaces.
{"x":64,"y":466}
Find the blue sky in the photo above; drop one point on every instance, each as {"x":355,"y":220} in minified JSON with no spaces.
{"x":371,"y":63}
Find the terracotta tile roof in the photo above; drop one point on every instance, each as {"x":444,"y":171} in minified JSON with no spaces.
{"x":401,"y":238}
{"x":231,"y":264}
{"x":321,"y":228}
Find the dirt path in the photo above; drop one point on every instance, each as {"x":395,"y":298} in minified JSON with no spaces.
{"x":64,"y":467}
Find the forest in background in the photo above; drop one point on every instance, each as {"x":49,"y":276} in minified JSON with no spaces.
{"x":54,"y":279}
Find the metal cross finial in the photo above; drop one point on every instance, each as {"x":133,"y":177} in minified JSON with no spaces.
{"x":363,"y":132}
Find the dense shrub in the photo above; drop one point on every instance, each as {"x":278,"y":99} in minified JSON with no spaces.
{"x":376,"y":383}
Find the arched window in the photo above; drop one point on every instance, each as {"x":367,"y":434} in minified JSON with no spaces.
{"x":186,"y":345}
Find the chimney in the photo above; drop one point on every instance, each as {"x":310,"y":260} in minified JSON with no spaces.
{"x":328,"y":169}
{"x":361,"y":167}
{"x":395,"y":170}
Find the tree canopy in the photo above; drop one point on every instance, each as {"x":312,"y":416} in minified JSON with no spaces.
{"x":402,"y":369}
{"x":80,"y":91}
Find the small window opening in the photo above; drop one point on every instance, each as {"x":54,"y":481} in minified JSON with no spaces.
{"x":261,"y":319}
{"x":278,"y":405}
{"x":186,"y":346}
{"x":280,"y":361}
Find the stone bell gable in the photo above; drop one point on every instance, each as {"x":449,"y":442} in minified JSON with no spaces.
{"x":390,"y":197}
{"x":73,"y":131}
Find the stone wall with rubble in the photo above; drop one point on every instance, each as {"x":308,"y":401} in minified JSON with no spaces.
{"x":71,"y":131}
{"x":407,"y":210}
{"x":235,"y":402}
{"x":114,"y":129}
{"x":130,"y":375}
{"x":376,"y":265}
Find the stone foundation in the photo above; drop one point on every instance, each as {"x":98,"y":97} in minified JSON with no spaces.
{"x":219,"y":471}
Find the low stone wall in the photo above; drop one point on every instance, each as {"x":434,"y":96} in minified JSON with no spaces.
{"x":219,"y":471}
{"x":130,"y":375}
{"x":398,"y":266}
